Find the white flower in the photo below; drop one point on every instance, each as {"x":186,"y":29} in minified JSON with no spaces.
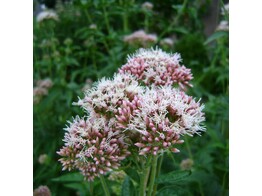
{"x":223,"y":26}
{"x":155,"y":55}
{"x":46,"y":14}
{"x":147,"y":6}
{"x":92,"y":26}
{"x":225,"y":9}
{"x":167,"y":42}
{"x":107,"y":94}
{"x":179,"y":112}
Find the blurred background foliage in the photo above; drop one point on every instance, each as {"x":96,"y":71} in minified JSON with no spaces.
{"x":83,"y":41}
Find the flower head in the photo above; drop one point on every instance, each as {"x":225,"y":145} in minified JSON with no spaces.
{"x":42,"y":158}
{"x":92,"y":26}
{"x":117,"y":176}
{"x":94,"y":146}
{"x":107,"y":95}
{"x":186,"y":164}
{"x":41,"y":89}
{"x":46,"y":15}
{"x":46,"y":83}
{"x":140,"y":38}
{"x":42,"y":191}
{"x":167,"y":42}
{"x":154,"y":66}
{"x":161,"y":115}
{"x":147,"y":6}
{"x":223,"y":26}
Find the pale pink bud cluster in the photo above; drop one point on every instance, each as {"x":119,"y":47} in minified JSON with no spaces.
{"x":140,"y":38}
{"x":154,"y":66}
{"x":42,"y":191}
{"x":41,"y":89}
{"x":94,"y":146}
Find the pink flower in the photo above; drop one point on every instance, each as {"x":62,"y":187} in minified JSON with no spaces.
{"x":140,"y":38}
{"x":42,"y":191}
{"x":93,"y":146}
{"x":161,"y":115}
{"x":46,"y":83}
{"x":107,"y":95}
{"x":154,"y":66}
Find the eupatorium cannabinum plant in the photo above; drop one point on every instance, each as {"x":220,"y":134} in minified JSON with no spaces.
{"x":139,"y":114}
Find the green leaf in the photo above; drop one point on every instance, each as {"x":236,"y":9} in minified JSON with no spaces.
{"x":173,"y":191}
{"x":215,"y":36}
{"x":76,"y":186}
{"x":181,"y":30}
{"x":81,"y":188}
{"x":72,"y":177}
{"x":127,"y":187}
{"x":173,"y":176}
{"x":133,"y":174}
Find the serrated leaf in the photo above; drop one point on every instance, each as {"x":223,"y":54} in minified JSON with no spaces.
{"x":215,"y":36}
{"x":173,"y":176}
{"x":72,"y":177}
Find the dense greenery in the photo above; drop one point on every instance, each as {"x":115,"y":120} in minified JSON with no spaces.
{"x":70,"y":51}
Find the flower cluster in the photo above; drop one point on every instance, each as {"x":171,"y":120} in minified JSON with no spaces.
{"x":147,"y":6}
{"x":158,"y":68}
{"x":41,"y":89}
{"x":94,"y":146}
{"x":137,"y":111}
{"x":42,"y":191}
{"x":47,"y":15}
{"x":223,"y":26}
{"x":161,"y":115}
{"x":167,"y":42}
{"x":141,"y":38}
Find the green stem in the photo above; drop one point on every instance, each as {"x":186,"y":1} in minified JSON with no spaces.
{"x":125,"y":20}
{"x":143,"y":181}
{"x":188,"y":149}
{"x":88,"y":16}
{"x":200,"y":189}
{"x":175,"y":21}
{"x":94,"y":62}
{"x":91,"y":188}
{"x":146,"y":22}
{"x":106,"y":17}
{"x":159,"y":165}
{"x":153,"y":175}
{"x":102,"y":179}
